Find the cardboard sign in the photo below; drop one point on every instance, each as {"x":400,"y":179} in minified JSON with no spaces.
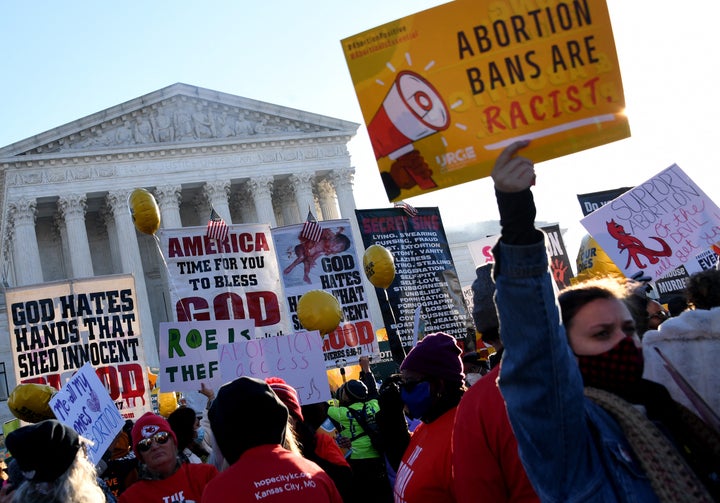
{"x":661,"y":224}
{"x":297,"y":358}
{"x":330,"y":264}
{"x":481,"y":250}
{"x":425,"y":275}
{"x":591,"y":201}
{"x":84,"y":404}
{"x":560,"y":265}
{"x":55,"y":328}
{"x":189,"y":352}
{"x":443,"y":91}
{"x":233,"y":280}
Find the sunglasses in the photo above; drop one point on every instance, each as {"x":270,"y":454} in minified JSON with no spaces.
{"x":159,"y":438}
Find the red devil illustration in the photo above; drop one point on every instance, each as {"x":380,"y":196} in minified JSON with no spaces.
{"x":635,"y":247}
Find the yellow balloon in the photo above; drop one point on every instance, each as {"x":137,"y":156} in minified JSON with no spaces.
{"x":167,"y":403}
{"x":319,"y":310}
{"x":379,"y":266}
{"x":593,"y":262}
{"x":144,"y":210}
{"x":30,"y":402}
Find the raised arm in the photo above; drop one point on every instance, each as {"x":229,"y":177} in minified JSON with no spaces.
{"x":539,"y":379}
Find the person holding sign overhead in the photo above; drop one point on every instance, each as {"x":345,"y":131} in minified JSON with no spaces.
{"x":588,"y":427}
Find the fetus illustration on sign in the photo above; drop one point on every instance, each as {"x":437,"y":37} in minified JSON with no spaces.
{"x":307,"y":251}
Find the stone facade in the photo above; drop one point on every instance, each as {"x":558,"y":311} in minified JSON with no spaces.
{"x":64,"y":194}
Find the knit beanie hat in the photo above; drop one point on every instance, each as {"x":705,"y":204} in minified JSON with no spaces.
{"x":287,"y":394}
{"x":44,"y":450}
{"x":355,"y":390}
{"x":148,"y":425}
{"x":436,"y":355}
{"x":246,"y":413}
{"x":182,"y":421}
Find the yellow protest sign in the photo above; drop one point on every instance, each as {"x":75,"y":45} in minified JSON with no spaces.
{"x":444,"y":90}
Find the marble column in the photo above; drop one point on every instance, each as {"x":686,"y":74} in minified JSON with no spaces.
{"x":106,"y":215}
{"x":261,"y":189}
{"x":328,"y":201}
{"x":217,"y":193}
{"x":72,"y":208}
{"x":61,"y":229}
{"x":132,"y":263}
{"x":342,"y":180}
{"x":8,"y":275}
{"x":26,"y":254}
{"x":288,"y":207}
{"x":302,"y":184}
{"x":168,"y":198}
{"x":243,"y":204}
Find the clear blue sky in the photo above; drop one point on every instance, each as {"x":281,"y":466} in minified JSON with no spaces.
{"x":61,"y":61}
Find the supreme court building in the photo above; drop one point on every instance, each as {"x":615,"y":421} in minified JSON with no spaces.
{"x":65,"y":191}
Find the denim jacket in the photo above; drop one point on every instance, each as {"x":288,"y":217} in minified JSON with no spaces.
{"x":573,"y":451}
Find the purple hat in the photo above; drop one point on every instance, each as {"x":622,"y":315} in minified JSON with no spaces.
{"x":436,"y":355}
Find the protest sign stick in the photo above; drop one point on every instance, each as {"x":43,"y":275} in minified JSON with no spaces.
{"x":171,"y":284}
{"x":342,"y":362}
{"x":396,"y":348}
{"x":705,"y":411}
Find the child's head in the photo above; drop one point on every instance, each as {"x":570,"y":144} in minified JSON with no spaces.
{"x":339,"y":243}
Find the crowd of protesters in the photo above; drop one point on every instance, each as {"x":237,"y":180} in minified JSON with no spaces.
{"x":566,"y":404}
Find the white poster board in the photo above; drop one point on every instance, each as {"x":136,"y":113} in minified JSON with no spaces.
{"x":330,"y":264}
{"x":55,"y":328}
{"x":84,"y":404}
{"x":297,"y":358}
{"x":659,"y":225}
{"x":189,"y":352}
{"x":235,"y":279}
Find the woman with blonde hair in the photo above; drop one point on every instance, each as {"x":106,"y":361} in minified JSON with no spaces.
{"x":53,"y":465}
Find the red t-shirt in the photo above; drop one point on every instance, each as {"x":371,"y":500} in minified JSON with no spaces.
{"x":486,"y":464}
{"x":186,"y":484}
{"x":272,"y":474}
{"x":329,"y":450}
{"x":425,"y":473}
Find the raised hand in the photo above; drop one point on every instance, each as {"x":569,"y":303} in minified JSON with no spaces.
{"x":513,"y":173}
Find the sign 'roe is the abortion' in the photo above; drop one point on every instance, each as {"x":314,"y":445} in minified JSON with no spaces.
{"x":56,"y":328}
{"x":230,"y":280}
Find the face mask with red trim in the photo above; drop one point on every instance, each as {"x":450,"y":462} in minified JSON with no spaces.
{"x":621,"y":366}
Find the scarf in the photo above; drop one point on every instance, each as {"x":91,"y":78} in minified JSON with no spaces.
{"x":672,"y":479}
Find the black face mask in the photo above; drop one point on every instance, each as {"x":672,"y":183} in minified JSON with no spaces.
{"x":615,"y":369}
